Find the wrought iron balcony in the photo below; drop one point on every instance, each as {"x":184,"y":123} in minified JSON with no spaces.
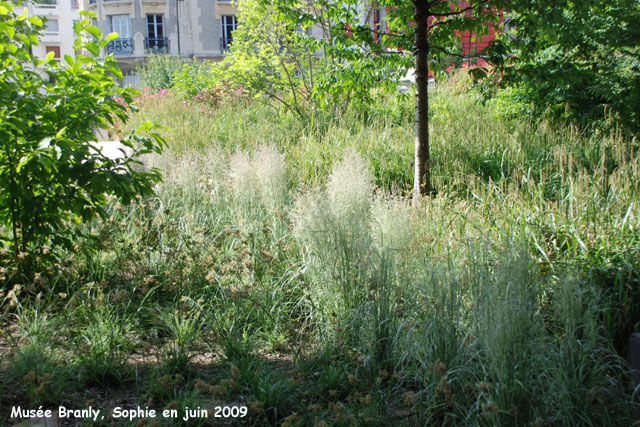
{"x":157,"y":45}
{"x":120,"y":46}
{"x":225,"y":43}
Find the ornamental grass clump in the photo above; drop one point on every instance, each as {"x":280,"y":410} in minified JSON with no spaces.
{"x":333,"y":225}
{"x":259,"y":179}
{"x":508,"y":325}
{"x":355,"y":279}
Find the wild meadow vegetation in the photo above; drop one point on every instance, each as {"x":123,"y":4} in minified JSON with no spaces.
{"x":281,"y":266}
{"x":261,"y":252}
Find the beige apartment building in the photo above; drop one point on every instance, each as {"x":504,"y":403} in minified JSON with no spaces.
{"x":200,"y":29}
{"x":58,"y":36}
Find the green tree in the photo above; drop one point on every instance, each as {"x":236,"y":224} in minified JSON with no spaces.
{"x":578,"y":60}
{"x":419,"y":34}
{"x":271,"y":58}
{"x":51,"y":175}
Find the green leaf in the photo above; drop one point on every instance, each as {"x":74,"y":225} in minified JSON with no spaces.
{"x":93,"y":48}
{"x":94,"y":31}
{"x":35,"y":20}
{"x":23,"y":161}
{"x":111,"y":36}
{"x":45,"y":143}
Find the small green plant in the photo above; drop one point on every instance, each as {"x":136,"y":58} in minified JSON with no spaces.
{"x":182,"y":331}
{"x":38,"y":373}
{"x":196,"y":79}
{"x":102,"y":346}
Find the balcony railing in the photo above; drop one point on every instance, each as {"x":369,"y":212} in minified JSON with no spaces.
{"x":225,"y":43}
{"x":157,"y":45}
{"x":120,"y":46}
{"x":48,"y":4}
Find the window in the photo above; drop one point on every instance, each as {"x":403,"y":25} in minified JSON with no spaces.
{"x":124,"y":44}
{"x":120,"y":24}
{"x":52,"y":27}
{"x":75,"y":4}
{"x":376,"y":25}
{"x":54,"y":49}
{"x":155,"y":33}
{"x":46,"y":3}
{"x":228,"y":25}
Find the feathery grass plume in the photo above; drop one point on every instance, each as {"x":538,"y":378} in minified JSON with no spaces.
{"x":349,"y":191}
{"x":182,"y":169}
{"x":335,"y":222}
{"x":243,"y":177}
{"x":393,"y":227}
{"x":440,"y":320}
{"x":191,"y":170}
{"x":259,"y":178}
{"x":333,"y":225}
{"x":272,"y":176}
{"x":508,"y":325}
{"x":584,"y":372}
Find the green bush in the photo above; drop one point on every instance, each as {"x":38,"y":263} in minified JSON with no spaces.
{"x":50,"y":172}
{"x":158,"y":72}
{"x":194,"y":77}
{"x":577,"y":63}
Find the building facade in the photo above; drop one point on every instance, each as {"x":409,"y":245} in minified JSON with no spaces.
{"x":58,"y":35}
{"x":200,"y":29}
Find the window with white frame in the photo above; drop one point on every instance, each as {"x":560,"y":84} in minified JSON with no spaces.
{"x":120,"y":24}
{"x":155,"y":26}
{"x":155,"y":32}
{"x":51,"y":26}
{"x":228,"y":26}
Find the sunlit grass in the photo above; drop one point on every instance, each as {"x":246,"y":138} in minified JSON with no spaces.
{"x":281,"y":265}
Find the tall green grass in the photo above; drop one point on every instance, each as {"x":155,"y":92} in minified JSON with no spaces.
{"x":282,"y":266}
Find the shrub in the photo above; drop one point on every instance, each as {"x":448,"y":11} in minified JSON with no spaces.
{"x":50,"y":172}
{"x":194,"y":77}
{"x":158,"y":72}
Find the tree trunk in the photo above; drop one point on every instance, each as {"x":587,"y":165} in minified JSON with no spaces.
{"x":422,"y":178}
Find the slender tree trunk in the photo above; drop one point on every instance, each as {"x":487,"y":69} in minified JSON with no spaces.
{"x":422,"y":178}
